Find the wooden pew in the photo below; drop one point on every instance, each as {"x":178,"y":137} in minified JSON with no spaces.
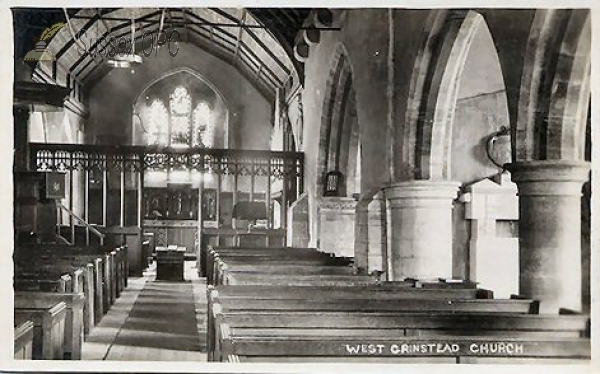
{"x":406,"y":301}
{"x":222,"y":269}
{"x":413,"y":324}
{"x":49,"y":327}
{"x":42,"y":282}
{"x":222,"y":266}
{"x":23,"y":339}
{"x":382,"y":305}
{"x":262,"y":268}
{"x":86,"y":280}
{"x":98,"y":290}
{"x":273,"y":256}
{"x":275,"y":323}
{"x":237,"y":348}
{"x":103,"y":273}
{"x":399,"y":290}
{"x":298,"y":279}
{"x":106,"y":290}
{"x":226,"y":275}
{"x":73,"y":328}
{"x":71,"y":263}
{"x":51,"y":252}
{"x":286,"y":333}
{"x":268,"y":311}
{"x":114,"y":274}
{"x":224,"y":249}
{"x":50,"y":270}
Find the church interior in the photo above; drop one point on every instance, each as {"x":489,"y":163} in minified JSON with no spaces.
{"x":302,"y":185}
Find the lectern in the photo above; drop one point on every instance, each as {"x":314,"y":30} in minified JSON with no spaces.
{"x":169,"y":263}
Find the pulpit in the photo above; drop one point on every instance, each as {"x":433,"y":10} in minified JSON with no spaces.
{"x":169,"y":263}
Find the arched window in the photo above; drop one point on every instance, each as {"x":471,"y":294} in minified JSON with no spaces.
{"x":179,"y":126}
{"x":203,"y":126}
{"x":158,"y":131}
{"x":181,"y":108}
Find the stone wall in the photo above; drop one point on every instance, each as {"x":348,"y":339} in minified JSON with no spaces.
{"x":363,"y":38}
{"x":481,"y":109}
{"x":336,"y":217}
{"x":370,"y":237}
{"x":297,"y":232}
{"x":112,"y":98}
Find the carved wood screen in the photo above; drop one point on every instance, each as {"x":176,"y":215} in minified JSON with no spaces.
{"x":100,"y":160}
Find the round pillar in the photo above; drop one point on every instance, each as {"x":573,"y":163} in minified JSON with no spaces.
{"x":420,"y":224}
{"x":550,"y":231}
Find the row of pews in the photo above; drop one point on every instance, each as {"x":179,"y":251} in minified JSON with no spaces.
{"x":61,"y":293}
{"x":301,"y":305}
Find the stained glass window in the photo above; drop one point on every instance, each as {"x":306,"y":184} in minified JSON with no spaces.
{"x":158,"y":131}
{"x":181,"y":106}
{"x":203,"y":128}
{"x":179,"y":126}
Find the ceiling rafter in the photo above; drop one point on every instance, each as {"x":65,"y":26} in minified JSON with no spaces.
{"x":255,"y":38}
{"x":207,"y":28}
{"x":117,"y":36}
{"x":239,"y":35}
{"x":266,"y":91}
{"x":108,"y":33}
{"x":71,"y":41}
{"x":185,"y":25}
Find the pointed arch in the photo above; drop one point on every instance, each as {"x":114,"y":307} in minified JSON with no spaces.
{"x":185,"y":128}
{"x":191,"y":72}
{"x":434,"y":86}
{"x":570,"y":92}
{"x":339,"y":124}
{"x":555,"y":87}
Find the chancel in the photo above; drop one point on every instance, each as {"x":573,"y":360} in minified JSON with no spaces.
{"x":302,"y":185}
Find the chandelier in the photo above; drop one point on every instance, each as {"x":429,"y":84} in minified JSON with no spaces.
{"x":125,"y":61}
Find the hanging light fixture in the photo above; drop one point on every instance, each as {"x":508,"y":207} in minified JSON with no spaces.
{"x":125,"y":61}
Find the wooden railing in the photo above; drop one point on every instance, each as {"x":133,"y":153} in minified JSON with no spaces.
{"x":89,"y":228}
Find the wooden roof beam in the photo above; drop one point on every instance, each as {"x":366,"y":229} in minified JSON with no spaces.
{"x":239,"y":35}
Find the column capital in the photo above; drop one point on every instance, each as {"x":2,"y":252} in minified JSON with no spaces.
{"x":421,"y":190}
{"x":550,"y":177}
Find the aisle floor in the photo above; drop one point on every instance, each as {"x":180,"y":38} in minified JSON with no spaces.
{"x":153,"y":321}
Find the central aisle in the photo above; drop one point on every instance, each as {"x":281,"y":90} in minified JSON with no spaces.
{"x":153,"y":321}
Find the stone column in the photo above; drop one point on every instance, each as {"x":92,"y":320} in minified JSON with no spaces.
{"x":550,"y":231}
{"x":420,"y":228}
